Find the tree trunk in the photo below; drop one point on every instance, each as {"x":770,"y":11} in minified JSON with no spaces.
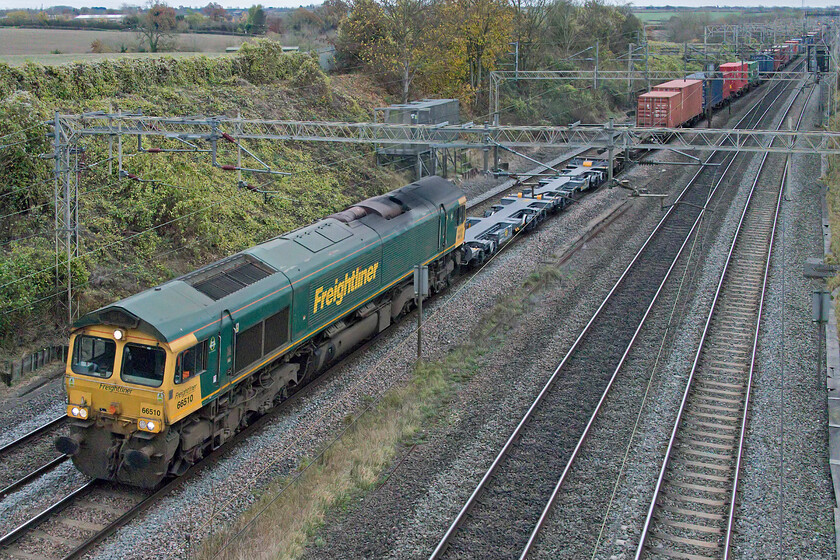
{"x":406,"y":81}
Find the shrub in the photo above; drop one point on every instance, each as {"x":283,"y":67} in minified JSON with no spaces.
{"x":22,"y":134}
{"x":260,"y":63}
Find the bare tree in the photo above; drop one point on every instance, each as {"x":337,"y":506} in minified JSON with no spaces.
{"x":564,"y":26}
{"x":528,"y":29}
{"x":407,"y":22}
{"x":157,"y":26}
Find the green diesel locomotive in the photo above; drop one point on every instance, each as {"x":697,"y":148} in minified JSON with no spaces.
{"x":160,"y":379}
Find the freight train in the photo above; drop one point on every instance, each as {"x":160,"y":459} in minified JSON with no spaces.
{"x":685,"y":102}
{"x":157,"y":381}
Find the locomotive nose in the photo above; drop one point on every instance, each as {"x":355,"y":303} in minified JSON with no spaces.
{"x":69,"y":445}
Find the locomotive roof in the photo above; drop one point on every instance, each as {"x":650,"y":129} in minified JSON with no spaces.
{"x":190,"y":302}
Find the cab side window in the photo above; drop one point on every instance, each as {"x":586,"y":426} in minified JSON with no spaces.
{"x":191,"y":362}
{"x":462,"y":214}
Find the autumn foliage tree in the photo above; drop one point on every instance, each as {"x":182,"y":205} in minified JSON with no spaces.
{"x":479,"y":32}
{"x":448,"y":47}
{"x":215,"y":12}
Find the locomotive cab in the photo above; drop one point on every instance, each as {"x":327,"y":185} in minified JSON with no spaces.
{"x":115,"y":380}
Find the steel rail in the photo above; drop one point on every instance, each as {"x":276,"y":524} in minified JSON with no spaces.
{"x":689,"y":383}
{"x":16,"y":533}
{"x":32,"y":475}
{"x":441,"y":547}
{"x":742,"y":435}
{"x":444,"y":542}
{"x":550,"y":504}
{"x":36,"y":432}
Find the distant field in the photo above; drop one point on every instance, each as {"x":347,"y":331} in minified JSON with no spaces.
{"x":16,"y":42}
{"x":658,"y":16}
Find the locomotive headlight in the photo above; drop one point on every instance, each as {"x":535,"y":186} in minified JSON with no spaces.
{"x":118,"y":334}
{"x":148,"y":425}
{"x":78,"y":411}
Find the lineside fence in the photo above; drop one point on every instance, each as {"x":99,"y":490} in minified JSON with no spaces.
{"x":14,"y":370}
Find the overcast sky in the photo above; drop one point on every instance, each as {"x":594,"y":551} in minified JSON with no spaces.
{"x":10,"y":4}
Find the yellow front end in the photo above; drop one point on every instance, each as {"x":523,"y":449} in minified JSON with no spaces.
{"x":117,"y":381}
{"x":129,"y":401}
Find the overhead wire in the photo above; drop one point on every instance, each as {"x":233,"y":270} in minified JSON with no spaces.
{"x":33,"y":127}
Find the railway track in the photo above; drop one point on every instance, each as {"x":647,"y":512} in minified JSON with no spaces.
{"x":501,"y":516}
{"x":29,"y":456}
{"x":45,"y":535}
{"x":64,"y":529}
{"x":693,"y":505}
{"x":77,"y":522}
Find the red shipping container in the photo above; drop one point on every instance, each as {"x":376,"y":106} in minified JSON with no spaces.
{"x":691,"y":96}
{"x":785,"y":50}
{"x":734,"y":76}
{"x":659,"y":108}
{"x":794,"y":46}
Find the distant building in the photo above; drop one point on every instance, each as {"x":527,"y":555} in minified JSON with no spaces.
{"x":100,"y":17}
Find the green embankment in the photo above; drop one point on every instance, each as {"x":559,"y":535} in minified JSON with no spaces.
{"x":186,"y":212}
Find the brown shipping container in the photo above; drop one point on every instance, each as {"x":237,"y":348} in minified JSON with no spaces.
{"x":659,"y":108}
{"x":691,"y":92}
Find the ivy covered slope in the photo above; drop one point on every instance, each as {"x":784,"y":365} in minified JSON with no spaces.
{"x":185,"y":212}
